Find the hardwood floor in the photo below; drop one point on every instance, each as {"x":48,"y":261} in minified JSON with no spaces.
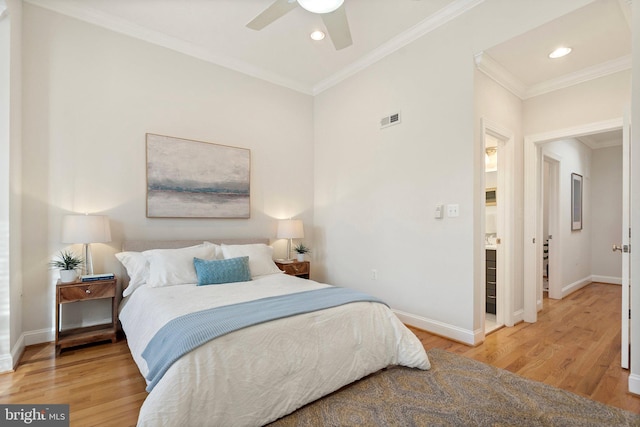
{"x":575,"y":345}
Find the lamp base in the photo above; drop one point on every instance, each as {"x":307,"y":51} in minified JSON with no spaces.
{"x":88,"y":261}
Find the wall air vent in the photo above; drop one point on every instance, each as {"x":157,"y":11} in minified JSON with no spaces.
{"x":390,"y":120}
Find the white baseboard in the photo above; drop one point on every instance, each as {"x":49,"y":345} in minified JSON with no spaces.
{"x":569,"y":289}
{"x":634,"y":383}
{"x":6,"y":363}
{"x":439,"y":328}
{"x":9,"y":361}
{"x":38,"y":336}
{"x":17,"y":351}
{"x":518,"y":317}
{"x":607,"y":279}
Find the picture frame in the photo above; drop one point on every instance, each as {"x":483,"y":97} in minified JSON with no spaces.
{"x":576,"y":201}
{"x":195,"y":179}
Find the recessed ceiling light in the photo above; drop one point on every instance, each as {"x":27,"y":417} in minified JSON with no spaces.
{"x":317,"y":35}
{"x":320,"y":6}
{"x":560,"y":52}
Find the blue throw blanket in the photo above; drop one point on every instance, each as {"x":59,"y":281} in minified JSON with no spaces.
{"x":185,"y":333}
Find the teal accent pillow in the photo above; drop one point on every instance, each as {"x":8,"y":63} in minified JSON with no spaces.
{"x":219,"y":271}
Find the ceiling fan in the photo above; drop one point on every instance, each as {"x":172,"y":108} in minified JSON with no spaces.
{"x":332,"y":12}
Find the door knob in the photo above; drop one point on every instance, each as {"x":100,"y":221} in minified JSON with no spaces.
{"x":616,"y":248}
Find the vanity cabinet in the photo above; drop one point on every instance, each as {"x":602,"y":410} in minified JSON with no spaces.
{"x":491,"y":281}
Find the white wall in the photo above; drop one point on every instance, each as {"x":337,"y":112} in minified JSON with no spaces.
{"x":606,"y":213}
{"x":90,"y":95}
{"x":5,"y":173}
{"x":376,"y":189}
{"x":590,"y":102}
{"x":575,"y":268}
{"x":10,"y":177}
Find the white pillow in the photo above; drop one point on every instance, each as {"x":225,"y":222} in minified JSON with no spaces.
{"x":175,"y":266}
{"x":260,"y":257}
{"x":218,"y":249}
{"x":137,"y":268}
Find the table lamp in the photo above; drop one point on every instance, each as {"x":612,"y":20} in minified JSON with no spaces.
{"x":86,"y":229}
{"x":290,"y":229}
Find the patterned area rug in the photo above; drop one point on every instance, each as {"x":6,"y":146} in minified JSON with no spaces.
{"x":457,"y":391}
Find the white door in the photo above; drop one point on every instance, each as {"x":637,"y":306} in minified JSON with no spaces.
{"x":626,"y":238}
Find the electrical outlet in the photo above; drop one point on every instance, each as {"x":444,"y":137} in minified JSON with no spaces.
{"x":374,"y":274}
{"x":453,"y":211}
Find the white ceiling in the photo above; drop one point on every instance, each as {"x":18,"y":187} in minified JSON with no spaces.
{"x":598,"y":33}
{"x":282,"y":52}
{"x":214,"y":30}
{"x":600,"y":37}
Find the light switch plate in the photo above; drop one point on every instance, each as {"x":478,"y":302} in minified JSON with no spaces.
{"x":439,"y":212}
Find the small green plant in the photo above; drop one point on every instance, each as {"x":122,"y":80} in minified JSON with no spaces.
{"x":67,"y":260}
{"x":302,"y":249}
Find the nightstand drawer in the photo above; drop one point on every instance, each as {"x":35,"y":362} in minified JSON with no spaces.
{"x":88,"y":291}
{"x":296,"y":268}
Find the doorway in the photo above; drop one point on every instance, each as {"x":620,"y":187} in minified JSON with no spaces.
{"x":536,"y":156}
{"x":497,"y":226}
{"x":551,"y":248}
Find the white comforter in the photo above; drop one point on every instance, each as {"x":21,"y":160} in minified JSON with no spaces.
{"x":258,"y":374}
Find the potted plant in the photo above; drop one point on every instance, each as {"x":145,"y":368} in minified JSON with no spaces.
{"x":67,"y":262}
{"x":301,"y":249}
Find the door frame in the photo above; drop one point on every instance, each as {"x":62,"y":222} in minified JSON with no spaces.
{"x":533,"y":207}
{"x":505,"y":278}
{"x":555,"y":255}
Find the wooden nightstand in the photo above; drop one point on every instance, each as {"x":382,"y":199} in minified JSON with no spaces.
{"x":295,"y":268}
{"x":84,"y":291}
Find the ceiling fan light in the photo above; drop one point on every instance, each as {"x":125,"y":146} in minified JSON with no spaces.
{"x":317,"y":35}
{"x":320,"y":6}
{"x":560,"y":52}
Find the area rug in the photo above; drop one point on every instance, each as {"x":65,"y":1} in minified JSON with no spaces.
{"x":457,"y":391}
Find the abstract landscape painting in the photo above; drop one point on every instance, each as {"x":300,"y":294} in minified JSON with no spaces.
{"x":193,"y":179}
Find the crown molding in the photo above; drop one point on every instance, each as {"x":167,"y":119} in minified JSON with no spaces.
{"x":584,"y":75}
{"x":128,"y":28}
{"x":424,"y":27}
{"x":503,"y":77}
{"x":594,"y":146}
{"x":500,"y":75}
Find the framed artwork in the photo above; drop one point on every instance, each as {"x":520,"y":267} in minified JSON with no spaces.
{"x":576,"y":202}
{"x":194,"y":179}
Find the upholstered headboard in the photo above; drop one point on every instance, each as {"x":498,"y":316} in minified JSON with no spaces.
{"x":145,"y":245}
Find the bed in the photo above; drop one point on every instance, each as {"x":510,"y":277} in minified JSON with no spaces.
{"x":261,"y":371}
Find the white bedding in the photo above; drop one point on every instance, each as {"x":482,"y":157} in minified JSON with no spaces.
{"x":258,"y":374}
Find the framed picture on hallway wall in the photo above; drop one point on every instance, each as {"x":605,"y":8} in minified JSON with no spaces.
{"x":576,"y":202}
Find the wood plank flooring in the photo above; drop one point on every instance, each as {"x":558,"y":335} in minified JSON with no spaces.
{"x":574,"y":346}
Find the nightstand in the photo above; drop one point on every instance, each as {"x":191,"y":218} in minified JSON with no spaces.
{"x":85,"y":291}
{"x":295,"y":268}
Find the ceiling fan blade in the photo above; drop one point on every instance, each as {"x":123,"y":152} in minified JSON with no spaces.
{"x":338,"y":28}
{"x":278,"y":9}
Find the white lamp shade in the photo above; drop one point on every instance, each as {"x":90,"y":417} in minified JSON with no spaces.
{"x":320,"y":6}
{"x":86,"y":229}
{"x":290,"y":229}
